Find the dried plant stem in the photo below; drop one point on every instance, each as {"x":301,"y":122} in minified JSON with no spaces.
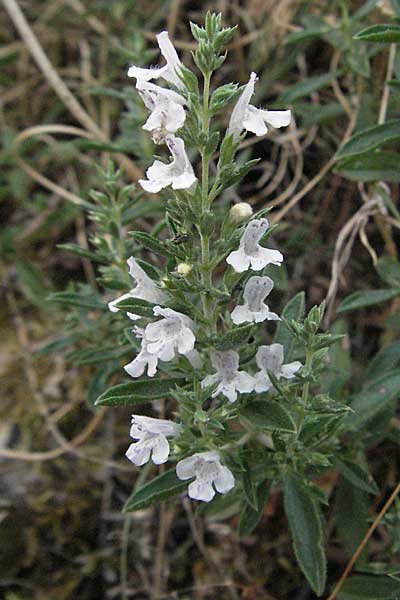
{"x":364,"y":541}
{"x":58,"y":85}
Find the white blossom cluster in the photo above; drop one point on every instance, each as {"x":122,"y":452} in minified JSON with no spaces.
{"x":174,"y":333}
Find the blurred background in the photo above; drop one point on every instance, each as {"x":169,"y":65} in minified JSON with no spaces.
{"x":66,"y":106}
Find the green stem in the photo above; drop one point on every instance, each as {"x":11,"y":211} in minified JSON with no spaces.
{"x":205,"y":241}
{"x":306,"y":392}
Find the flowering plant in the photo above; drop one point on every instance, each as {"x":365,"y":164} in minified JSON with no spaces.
{"x":247,"y":410}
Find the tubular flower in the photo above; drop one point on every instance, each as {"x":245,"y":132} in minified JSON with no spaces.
{"x":209,"y":474}
{"x":248,"y":117}
{"x":168,"y":71}
{"x":166,"y":106}
{"x":254,"y":309}
{"x":151,"y":435}
{"x":178,"y":173}
{"x":145,"y":289}
{"x":270,"y":358}
{"x":250,"y":254}
{"x":162,"y":340}
{"x":229,"y":379}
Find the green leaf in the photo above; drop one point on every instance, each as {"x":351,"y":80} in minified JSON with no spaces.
{"x":160,"y":488}
{"x":351,"y":508}
{"x":366,"y":298}
{"x":31,"y":282}
{"x":374,"y":398}
{"x":306,"y":526}
{"x":384,"y":32}
{"x":250,"y":517}
{"x":141,"y":390}
{"x":357,"y":476}
{"x":305,"y":88}
{"x":376,"y":166}
{"x":388,"y":269}
{"x":136,"y":306}
{"x":387,"y":359}
{"x":370,"y":587}
{"x":150,"y":242}
{"x":76,"y":299}
{"x":294,"y":309}
{"x":233,"y":337}
{"x":249,"y":487}
{"x":78,"y":251}
{"x":369,"y":139}
{"x":268,"y":414}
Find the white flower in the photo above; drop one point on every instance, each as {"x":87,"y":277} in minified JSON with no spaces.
{"x":250,"y":253}
{"x":167,"y":112}
{"x":254,"y":309}
{"x":178,"y":173}
{"x":145,"y":289}
{"x":207,"y":469}
{"x":240,"y":212}
{"x":229,"y":379}
{"x":168,"y":71}
{"x":151,"y":435}
{"x":144,"y":359}
{"x":161,"y":340}
{"x":248,"y":117}
{"x":270,"y":358}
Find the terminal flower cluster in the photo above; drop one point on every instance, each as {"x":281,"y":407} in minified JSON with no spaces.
{"x":172,"y":333}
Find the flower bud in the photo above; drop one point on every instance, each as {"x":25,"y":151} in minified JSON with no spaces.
{"x":184,"y":269}
{"x":240,"y":212}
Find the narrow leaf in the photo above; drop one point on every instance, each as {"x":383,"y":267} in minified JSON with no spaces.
{"x":374,"y":398}
{"x":369,"y":139}
{"x":75,"y":299}
{"x":357,"y":476}
{"x":366,"y":298}
{"x":306,"y":526}
{"x":142,"y":390}
{"x":165,"y":485}
{"x":268,"y":415}
{"x":370,"y":587}
{"x":385,"y":32}
{"x":376,"y":166}
{"x":250,"y":517}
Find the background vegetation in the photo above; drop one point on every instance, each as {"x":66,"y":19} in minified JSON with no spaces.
{"x":66,"y":107}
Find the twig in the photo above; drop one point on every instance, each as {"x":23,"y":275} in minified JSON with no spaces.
{"x":364,"y":541}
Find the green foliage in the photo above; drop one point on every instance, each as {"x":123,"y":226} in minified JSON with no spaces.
{"x":306,"y":527}
{"x":160,"y":488}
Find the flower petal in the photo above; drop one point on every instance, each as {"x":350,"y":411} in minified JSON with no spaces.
{"x":238,"y":260}
{"x":160,"y":450}
{"x":225,"y":480}
{"x":201,"y":490}
{"x":186,"y":468}
{"x":138,"y":454}
{"x":289,"y":370}
{"x":244,"y":382}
